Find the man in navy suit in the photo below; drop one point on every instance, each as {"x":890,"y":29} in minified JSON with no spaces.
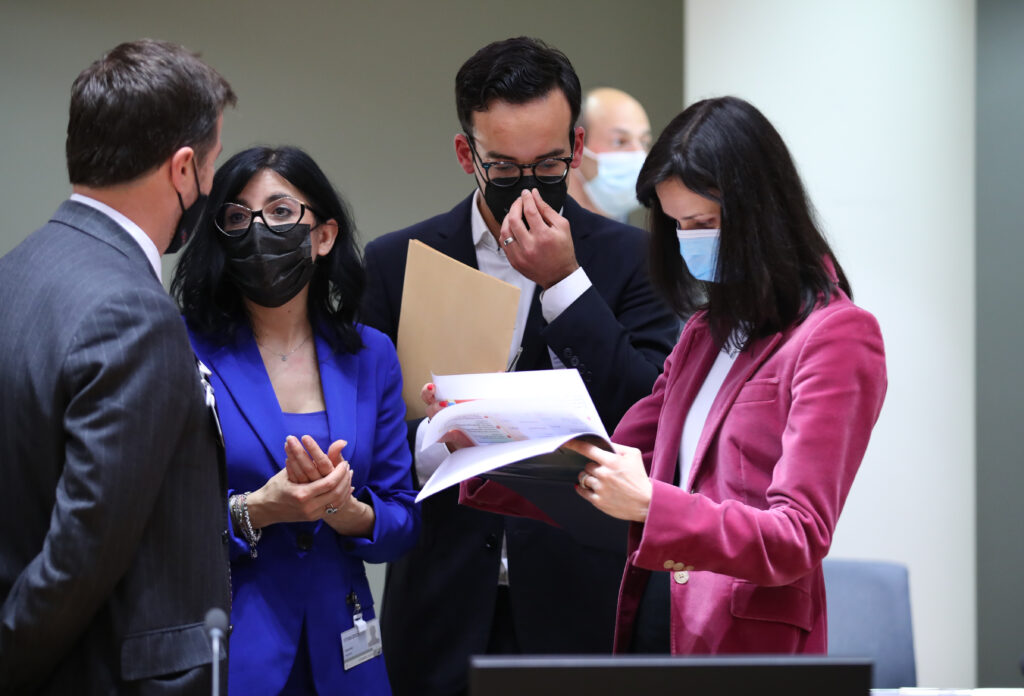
{"x":113,"y":505}
{"x":477,"y":582}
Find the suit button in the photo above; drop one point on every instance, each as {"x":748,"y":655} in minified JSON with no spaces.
{"x":304,"y":540}
{"x":492,"y":541}
{"x":574,"y":361}
{"x":567,"y":353}
{"x":681,"y":576}
{"x":668,"y":564}
{"x":225,"y":537}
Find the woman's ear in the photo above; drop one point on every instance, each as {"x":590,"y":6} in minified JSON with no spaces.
{"x":326,"y":233}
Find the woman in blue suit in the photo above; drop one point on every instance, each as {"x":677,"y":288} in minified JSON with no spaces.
{"x":314,"y":428}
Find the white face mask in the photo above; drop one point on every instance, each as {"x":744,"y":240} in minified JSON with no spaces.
{"x":613,"y":190}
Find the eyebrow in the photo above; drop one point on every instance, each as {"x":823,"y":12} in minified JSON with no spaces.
{"x":507,"y":158}
{"x":269,"y":199}
{"x":697,"y":215}
{"x":626,"y":131}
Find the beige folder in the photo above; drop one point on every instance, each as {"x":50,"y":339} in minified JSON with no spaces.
{"x":455,"y":320}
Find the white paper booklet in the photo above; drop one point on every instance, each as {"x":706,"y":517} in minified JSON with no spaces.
{"x":511,"y":417}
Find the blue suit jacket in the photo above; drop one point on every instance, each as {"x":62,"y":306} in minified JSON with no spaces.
{"x":305,"y":571}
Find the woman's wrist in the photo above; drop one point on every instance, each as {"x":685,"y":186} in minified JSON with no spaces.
{"x":355,"y":519}
{"x":258,"y":513}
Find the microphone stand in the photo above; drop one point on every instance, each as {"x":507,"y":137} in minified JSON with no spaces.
{"x":216,"y":626}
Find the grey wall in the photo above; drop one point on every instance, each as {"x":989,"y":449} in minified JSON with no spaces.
{"x":1000,"y":317}
{"x":365,"y":87}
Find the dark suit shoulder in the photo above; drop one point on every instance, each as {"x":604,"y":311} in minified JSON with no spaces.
{"x":610,"y":234}
{"x":428,"y":231}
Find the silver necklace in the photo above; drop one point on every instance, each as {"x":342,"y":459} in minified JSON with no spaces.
{"x":284,"y":356}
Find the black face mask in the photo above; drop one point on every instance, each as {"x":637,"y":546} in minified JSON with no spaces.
{"x":190,"y":217}
{"x":499,"y":199}
{"x":270,"y":268}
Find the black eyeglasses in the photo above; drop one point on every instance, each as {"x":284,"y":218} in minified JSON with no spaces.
{"x":551,"y":170}
{"x":280,"y":215}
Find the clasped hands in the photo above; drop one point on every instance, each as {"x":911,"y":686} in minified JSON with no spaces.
{"x":616,"y":483}
{"x":311,"y":483}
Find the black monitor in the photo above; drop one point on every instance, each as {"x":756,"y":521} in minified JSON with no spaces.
{"x":655,"y":675}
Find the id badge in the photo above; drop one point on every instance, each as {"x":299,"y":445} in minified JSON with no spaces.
{"x":361,"y":642}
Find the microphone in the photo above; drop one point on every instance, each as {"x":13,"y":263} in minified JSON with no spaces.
{"x":216,"y":628}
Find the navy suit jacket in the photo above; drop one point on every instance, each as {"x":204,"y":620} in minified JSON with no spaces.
{"x":305,"y":572}
{"x":439,"y":598}
{"x":112,"y":510}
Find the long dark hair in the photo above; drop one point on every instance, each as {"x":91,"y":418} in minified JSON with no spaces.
{"x":210,"y":300}
{"x":772,"y":266}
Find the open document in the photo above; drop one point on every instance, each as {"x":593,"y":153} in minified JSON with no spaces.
{"x":518,"y":421}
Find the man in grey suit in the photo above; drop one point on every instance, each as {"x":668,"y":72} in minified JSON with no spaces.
{"x":112,"y":504}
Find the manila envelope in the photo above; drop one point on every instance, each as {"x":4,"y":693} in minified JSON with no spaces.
{"x":455,"y":320}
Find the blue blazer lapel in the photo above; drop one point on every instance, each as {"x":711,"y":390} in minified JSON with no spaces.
{"x":241,"y":369}
{"x":339,"y":379}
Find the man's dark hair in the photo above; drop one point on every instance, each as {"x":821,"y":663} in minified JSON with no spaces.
{"x":772,"y":267}
{"x":516,"y":71}
{"x":212,"y":302}
{"x":138,"y":104}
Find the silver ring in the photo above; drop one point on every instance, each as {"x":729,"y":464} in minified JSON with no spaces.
{"x":508,"y":240}
{"x":583,"y":481}
{"x":330,"y":509}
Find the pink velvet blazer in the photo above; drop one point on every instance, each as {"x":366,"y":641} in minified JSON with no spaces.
{"x":744,"y":538}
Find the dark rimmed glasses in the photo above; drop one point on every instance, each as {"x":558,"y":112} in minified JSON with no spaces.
{"x":551,"y":170}
{"x":280,"y":215}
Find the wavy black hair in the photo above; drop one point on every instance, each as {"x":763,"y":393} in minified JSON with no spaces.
{"x":213,"y":304}
{"x":772,"y":267}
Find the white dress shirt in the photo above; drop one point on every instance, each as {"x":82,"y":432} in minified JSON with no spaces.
{"x":697,"y":416}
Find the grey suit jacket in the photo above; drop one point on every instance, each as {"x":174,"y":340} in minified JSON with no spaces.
{"x":113,"y":541}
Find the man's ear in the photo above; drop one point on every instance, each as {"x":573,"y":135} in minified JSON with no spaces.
{"x":577,"y":146}
{"x":181,"y":170}
{"x":464,"y":153}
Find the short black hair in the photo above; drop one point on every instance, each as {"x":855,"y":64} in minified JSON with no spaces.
{"x":772,"y":257}
{"x":210,"y":300}
{"x":516,"y":71}
{"x":134,"y":107}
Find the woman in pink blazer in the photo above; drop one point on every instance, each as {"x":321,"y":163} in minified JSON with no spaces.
{"x":735,"y":469}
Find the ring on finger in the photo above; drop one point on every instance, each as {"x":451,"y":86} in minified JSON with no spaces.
{"x":508,"y":240}
{"x":331,"y":509}
{"x":583,"y":481}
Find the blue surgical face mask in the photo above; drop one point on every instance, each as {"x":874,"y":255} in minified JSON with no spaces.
{"x":613,"y":189}
{"x":699,"y":249}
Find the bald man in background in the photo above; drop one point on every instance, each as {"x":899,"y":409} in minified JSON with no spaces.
{"x":617,"y":138}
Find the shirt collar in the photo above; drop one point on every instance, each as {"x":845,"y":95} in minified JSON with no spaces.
{"x":136,"y":233}
{"x":482,"y":237}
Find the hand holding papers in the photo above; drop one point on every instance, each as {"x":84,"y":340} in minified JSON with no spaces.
{"x":518,"y":421}
{"x":512,"y":417}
